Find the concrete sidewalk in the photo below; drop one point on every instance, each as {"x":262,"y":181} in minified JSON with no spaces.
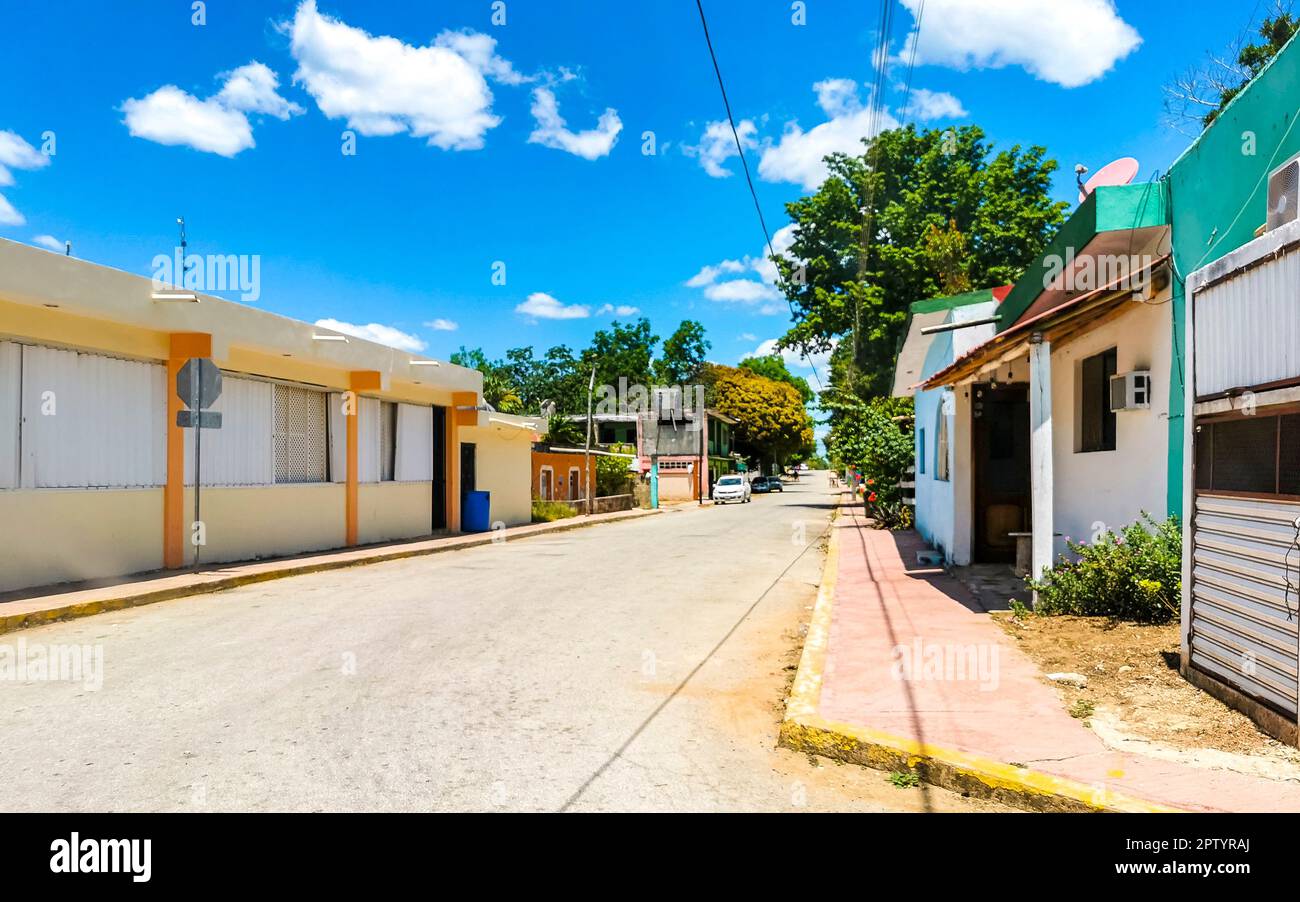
{"x":976,"y":714}
{"x":32,"y":607}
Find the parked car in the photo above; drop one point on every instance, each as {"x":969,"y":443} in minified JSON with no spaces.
{"x":763,"y":484}
{"x":731,"y":488}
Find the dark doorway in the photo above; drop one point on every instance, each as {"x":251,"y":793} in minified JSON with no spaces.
{"x":1000,"y":445}
{"x":468,"y":480}
{"x":439,"y":468}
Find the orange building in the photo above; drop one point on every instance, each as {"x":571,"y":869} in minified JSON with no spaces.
{"x":559,"y":476}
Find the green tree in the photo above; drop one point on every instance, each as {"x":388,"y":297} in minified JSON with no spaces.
{"x":683,"y":354}
{"x":499,"y":388}
{"x":876,"y":438}
{"x":859,"y":257}
{"x":773,"y":367}
{"x":612,"y":474}
{"x":1275,"y":31}
{"x":562,"y":431}
{"x":620,"y":351}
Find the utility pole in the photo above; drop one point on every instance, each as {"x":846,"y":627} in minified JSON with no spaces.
{"x":703,"y":480}
{"x":586,"y":457}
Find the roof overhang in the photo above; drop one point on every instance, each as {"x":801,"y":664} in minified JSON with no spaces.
{"x":1117,"y":228}
{"x":909,"y":367}
{"x":1057,"y":325}
{"x":36,"y":278}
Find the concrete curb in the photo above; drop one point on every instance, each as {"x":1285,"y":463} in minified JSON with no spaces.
{"x":293,"y":567}
{"x":804,"y":730}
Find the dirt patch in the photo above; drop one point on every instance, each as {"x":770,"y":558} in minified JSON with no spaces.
{"x":1136,"y":699}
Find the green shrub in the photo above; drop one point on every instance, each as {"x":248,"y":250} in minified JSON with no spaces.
{"x":549,"y":511}
{"x":1136,"y":575}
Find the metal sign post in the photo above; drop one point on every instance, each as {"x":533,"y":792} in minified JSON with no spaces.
{"x":198,"y":385}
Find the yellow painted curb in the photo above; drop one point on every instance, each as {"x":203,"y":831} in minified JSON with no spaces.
{"x":12,"y":622}
{"x":804,"y":730}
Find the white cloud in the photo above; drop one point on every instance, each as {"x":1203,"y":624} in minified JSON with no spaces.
{"x":382,"y":86}
{"x":252,"y":89}
{"x":619,"y":310}
{"x":442,"y":325}
{"x":743,"y":291}
{"x":819,"y":361}
{"x":747,"y":336}
{"x":376,"y":332}
{"x":9,"y":215}
{"x":551,"y":130}
{"x":926,"y":105}
{"x":541,"y":305}
{"x":718,"y":144}
{"x":1066,"y":42}
{"x":49,"y":242}
{"x":16,"y":153}
{"x":218,"y":124}
{"x":798,"y":156}
{"x":709,"y":274}
{"x":762,"y":292}
{"x":481,"y":51}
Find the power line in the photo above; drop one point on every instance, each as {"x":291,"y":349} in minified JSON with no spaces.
{"x":731,"y":120}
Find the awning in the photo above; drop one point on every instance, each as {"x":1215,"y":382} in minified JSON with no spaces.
{"x":910,"y":365}
{"x":1057,"y":325}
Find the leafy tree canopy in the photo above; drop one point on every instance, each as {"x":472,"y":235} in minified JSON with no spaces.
{"x":683,"y":354}
{"x":943,"y":211}
{"x":773,"y":367}
{"x":771,"y":422}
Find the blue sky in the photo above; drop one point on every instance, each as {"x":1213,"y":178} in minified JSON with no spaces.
{"x":521,"y":142}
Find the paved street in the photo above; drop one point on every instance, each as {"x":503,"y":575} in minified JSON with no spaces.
{"x":633,"y":666}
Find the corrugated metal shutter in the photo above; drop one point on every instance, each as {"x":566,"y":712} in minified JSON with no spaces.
{"x":299,"y":441}
{"x":1247,"y":331}
{"x":1245,"y":593}
{"x":414,"y":453}
{"x":11,"y":362}
{"x":92,"y":421}
{"x":368,"y":469}
{"x":338,"y":439}
{"x":241,"y":451}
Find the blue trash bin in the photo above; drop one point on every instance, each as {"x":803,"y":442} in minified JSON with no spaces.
{"x":477,"y":515}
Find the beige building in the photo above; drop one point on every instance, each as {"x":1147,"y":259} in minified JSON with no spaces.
{"x":326,"y":441}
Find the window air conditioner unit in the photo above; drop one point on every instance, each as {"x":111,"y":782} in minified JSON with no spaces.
{"x":1130,"y":391}
{"x":1283,"y":193}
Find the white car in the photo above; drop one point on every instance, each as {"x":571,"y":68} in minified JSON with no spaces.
{"x":731,"y":488}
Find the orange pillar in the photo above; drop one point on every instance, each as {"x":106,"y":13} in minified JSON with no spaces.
{"x":183,"y":346}
{"x":360,"y":380}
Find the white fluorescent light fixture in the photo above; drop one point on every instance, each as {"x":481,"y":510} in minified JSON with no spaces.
{"x":425,"y":363}
{"x":187,"y":297}
{"x":320,"y":337}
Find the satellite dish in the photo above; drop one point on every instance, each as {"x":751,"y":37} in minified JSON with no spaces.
{"x":1120,"y":172}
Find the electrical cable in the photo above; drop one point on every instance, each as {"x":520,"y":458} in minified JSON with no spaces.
{"x":740,"y":150}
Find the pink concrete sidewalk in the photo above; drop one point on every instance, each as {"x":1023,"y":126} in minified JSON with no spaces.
{"x":1007,"y":712}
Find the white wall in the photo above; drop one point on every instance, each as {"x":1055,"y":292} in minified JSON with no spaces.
{"x":503,"y":467}
{"x":941,"y":506}
{"x":1112,"y":487}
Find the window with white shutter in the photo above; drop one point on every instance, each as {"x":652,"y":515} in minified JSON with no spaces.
{"x":240,"y":452}
{"x":413,"y":454}
{"x":11,"y":361}
{"x":91,"y":421}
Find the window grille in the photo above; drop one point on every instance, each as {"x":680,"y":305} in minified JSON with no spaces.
{"x":300,"y":446}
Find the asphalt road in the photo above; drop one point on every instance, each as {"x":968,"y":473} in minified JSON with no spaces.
{"x":631,"y":666}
